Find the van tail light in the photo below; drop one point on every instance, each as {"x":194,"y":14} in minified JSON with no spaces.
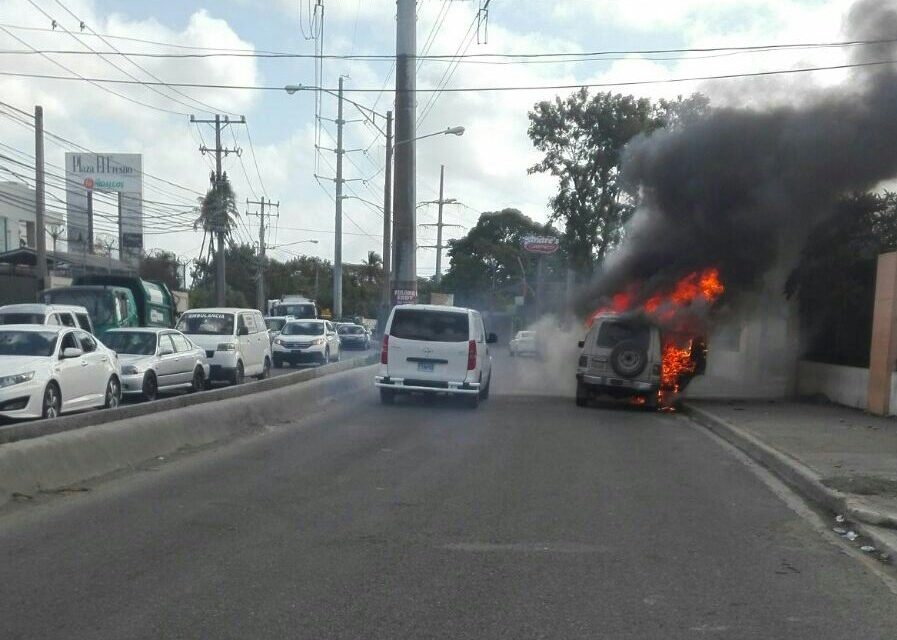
{"x":471,"y":355}
{"x":384,"y":349}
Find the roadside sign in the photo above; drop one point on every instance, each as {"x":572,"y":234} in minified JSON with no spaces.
{"x":544,"y":245}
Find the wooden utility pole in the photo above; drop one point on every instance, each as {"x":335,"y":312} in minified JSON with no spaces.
{"x":261,"y":303}
{"x":220,"y":223}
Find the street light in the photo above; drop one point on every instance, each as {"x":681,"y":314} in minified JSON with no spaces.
{"x":450,"y":131}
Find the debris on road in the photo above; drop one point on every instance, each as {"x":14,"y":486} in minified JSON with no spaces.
{"x":851,"y":535}
{"x":867,"y":548}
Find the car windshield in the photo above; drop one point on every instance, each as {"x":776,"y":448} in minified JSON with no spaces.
{"x":275,"y":324}
{"x":431,"y":326}
{"x":138,"y":343}
{"x":350,"y":330}
{"x":21,"y":318}
{"x":610,"y":334}
{"x":303,"y":329}
{"x":207,"y":323}
{"x":27,"y":343}
{"x":302,"y":310}
{"x":99,"y":304}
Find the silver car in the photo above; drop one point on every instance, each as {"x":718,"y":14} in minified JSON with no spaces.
{"x":154,"y":360}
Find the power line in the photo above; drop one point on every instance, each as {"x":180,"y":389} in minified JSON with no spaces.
{"x":205,"y":105}
{"x":96,"y":83}
{"x":390,"y":57}
{"x":546,"y":87}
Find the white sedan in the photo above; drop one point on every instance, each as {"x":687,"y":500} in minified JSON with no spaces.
{"x":524,"y":343}
{"x":49,"y":370}
{"x":154,"y":360}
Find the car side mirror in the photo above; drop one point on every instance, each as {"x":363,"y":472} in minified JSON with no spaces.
{"x":491,"y":338}
{"x":243,"y":331}
{"x":581,"y":344}
{"x":165,"y":351}
{"x":72,"y":352}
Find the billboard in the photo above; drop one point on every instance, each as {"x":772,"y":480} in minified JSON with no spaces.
{"x":545,"y":245}
{"x":118,"y":173}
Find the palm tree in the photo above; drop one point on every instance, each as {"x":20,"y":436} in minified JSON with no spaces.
{"x":373,"y":265}
{"x":217,"y":218}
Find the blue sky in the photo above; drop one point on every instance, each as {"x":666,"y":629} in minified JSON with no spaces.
{"x":485,"y":169}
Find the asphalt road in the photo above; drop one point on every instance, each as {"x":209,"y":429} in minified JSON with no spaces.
{"x":528,"y":518}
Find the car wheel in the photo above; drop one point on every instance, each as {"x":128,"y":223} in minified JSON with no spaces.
{"x":472,"y":401}
{"x":199,"y":380}
{"x":150,"y":388}
{"x":512,"y":353}
{"x":237,"y":377}
{"x":278,"y":363}
{"x":387,"y":396}
{"x":113,"y":393}
{"x":339,"y":355}
{"x":582,"y":395}
{"x":325,"y":359}
{"x":266,"y":369}
{"x":52,"y":403}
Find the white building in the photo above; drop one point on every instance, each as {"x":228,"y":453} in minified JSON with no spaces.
{"x":16,"y":216}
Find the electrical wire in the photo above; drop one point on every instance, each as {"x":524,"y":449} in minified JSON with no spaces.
{"x":495,"y":89}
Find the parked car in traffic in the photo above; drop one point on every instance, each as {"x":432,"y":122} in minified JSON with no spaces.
{"x":65,"y":315}
{"x":306,"y":341}
{"x":435,"y":349}
{"x":275,"y":325}
{"x":49,"y":370}
{"x":155,"y":360}
{"x":524,"y":344}
{"x":235,"y":341}
{"x":353,"y":336}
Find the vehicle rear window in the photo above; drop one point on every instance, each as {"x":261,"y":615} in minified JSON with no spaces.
{"x":351,"y":330}
{"x":275,"y":324}
{"x":610,"y":334}
{"x":213,"y":324}
{"x":141,"y":343}
{"x":21,"y":318}
{"x":430,"y":326}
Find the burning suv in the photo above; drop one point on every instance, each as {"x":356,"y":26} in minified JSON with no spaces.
{"x":627,"y":356}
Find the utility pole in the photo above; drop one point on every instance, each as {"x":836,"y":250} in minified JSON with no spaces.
{"x":55,"y":230}
{"x":440,"y":225}
{"x":387,"y":218}
{"x":220,"y":223}
{"x":40,"y":202}
{"x":338,"y":223}
{"x":260,"y":275}
{"x":404,"y":286}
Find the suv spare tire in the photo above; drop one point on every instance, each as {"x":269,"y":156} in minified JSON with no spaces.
{"x":628,"y":359}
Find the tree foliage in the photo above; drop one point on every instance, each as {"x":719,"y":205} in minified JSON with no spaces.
{"x":835,"y":279}
{"x":485,"y":268}
{"x":583,"y":138}
{"x":161,"y":266}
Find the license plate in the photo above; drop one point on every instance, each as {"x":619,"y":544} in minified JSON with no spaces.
{"x":425,"y":366}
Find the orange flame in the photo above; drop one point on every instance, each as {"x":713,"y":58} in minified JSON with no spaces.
{"x":701,"y":287}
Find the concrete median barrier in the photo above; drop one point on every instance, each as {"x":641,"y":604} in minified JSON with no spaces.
{"x":127,"y":437}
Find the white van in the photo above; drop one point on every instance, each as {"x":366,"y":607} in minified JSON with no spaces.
{"x":235,"y":341}
{"x":435,"y":349}
{"x":63,"y":315}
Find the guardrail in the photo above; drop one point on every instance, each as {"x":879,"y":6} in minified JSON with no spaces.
{"x":38,"y":428}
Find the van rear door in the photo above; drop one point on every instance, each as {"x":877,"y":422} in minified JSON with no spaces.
{"x":428,"y":345}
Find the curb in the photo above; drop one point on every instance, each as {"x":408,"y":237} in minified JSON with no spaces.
{"x":40,"y":464}
{"x":39,"y":428}
{"x":802,"y":479}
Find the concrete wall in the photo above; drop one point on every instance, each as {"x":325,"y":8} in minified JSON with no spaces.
{"x":845,"y":385}
{"x":17,"y":210}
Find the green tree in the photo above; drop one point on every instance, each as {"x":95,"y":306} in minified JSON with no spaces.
{"x":485,"y":269}
{"x":834,"y":280}
{"x":162,"y":266}
{"x":373,"y":267}
{"x":240,"y":270}
{"x":583,"y":138}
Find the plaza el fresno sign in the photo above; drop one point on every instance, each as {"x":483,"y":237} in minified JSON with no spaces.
{"x":116,"y":172}
{"x":544,"y":245}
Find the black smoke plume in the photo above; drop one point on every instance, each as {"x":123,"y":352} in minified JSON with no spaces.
{"x":741,"y":188}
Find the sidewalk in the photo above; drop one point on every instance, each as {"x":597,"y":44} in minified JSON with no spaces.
{"x":836,"y":456}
